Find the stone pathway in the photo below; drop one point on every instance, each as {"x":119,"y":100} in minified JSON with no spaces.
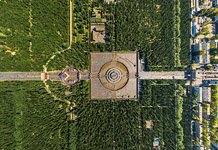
{"x":165,"y":75}
{"x":71,"y":22}
{"x":20,"y":76}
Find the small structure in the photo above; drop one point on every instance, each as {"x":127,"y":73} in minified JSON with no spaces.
{"x":149,"y":124}
{"x":69,"y":76}
{"x":97,"y":13}
{"x":109,"y":1}
{"x":156,"y":144}
{"x":98,"y":32}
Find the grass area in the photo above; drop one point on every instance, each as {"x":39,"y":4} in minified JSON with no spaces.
{"x":31,"y":32}
{"x":33,"y":119}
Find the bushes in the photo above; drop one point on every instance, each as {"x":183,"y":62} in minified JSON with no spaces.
{"x":49,"y":30}
{"x":7,"y":124}
{"x":15,"y":40}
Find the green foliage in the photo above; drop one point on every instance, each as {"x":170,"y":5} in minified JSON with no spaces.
{"x":211,"y":12}
{"x":77,"y":56}
{"x":81,"y":19}
{"x":153,"y":29}
{"x":213,"y":113}
{"x":163,"y":104}
{"x":205,"y":31}
{"x":30,"y":119}
{"x":205,"y":132}
{"x":185,"y":32}
{"x":33,"y":31}
{"x":213,"y":54}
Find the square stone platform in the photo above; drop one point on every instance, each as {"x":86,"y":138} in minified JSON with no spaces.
{"x":113,"y":75}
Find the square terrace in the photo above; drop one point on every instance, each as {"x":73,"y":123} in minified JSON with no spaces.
{"x":113,"y":75}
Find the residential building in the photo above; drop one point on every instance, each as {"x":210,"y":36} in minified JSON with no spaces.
{"x":214,"y":43}
{"x":195,"y":26}
{"x":206,"y":94}
{"x":195,"y":5}
{"x":214,"y":3}
{"x":214,"y":146}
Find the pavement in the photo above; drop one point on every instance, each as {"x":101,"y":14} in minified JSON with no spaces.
{"x":20,"y":76}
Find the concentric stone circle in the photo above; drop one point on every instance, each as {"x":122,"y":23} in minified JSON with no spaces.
{"x":113,"y":75}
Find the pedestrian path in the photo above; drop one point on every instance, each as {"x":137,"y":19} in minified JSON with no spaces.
{"x":20,"y":76}
{"x":165,"y":75}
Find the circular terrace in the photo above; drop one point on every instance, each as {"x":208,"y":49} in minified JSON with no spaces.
{"x":113,"y":75}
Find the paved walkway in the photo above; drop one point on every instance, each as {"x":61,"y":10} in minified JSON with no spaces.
{"x":20,"y":76}
{"x":71,"y":22}
{"x":25,"y":76}
{"x":166,"y":75}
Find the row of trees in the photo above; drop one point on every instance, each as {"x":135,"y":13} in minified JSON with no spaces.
{"x":30,"y":118}
{"x":43,"y":24}
{"x":81,"y":20}
{"x":179,"y":117}
{"x":213,"y":113}
{"x":15,"y":27}
{"x":185,"y":31}
{"x":163,"y":102}
{"x":152,"y":31}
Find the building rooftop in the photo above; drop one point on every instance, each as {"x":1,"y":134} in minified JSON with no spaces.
{"x":98,"y":32}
